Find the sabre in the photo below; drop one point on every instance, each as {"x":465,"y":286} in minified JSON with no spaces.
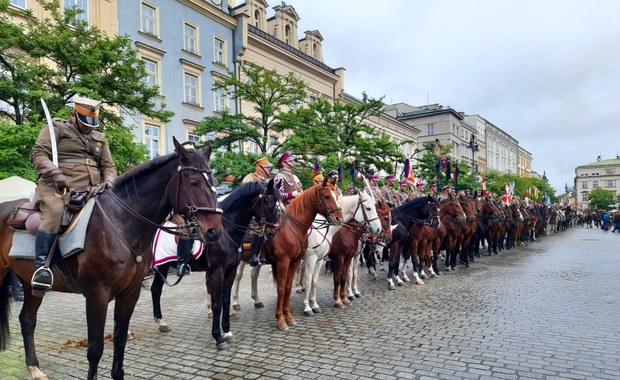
{"x":50,"y":126}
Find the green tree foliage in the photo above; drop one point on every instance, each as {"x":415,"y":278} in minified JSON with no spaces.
{"x":536,"y":188}
{"x":601,"y":199}
{"x":15,"y":144}
{"x":59,"y":56}
{"x":271,"y":94}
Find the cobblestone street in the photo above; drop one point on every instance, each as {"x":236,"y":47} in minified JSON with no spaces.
{"x":546,"y":311}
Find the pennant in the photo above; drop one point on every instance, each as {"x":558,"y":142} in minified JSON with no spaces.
{"x":409,"y":171}
{"x":484,"y":186}
{"x":448,"y":169}
{"x":340,"y":173}
{"x":316,"y":167}
{"x":353,"y":174}
{"x":456,"y":173}
{"x":437,"y":165}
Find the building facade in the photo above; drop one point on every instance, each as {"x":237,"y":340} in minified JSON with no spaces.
{"x":602,"y":174}
{"x":185,"y":45}
{"x":501,"y":150}
{"x":524,"y":163}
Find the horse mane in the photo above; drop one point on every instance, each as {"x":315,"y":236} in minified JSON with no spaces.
{"x":305,"y":201}
{"x":413,"y":205}
{"x":241,"y":193}
{"x":144,"y":168}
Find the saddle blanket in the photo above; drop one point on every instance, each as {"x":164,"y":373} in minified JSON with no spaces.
{"x":70,"y":243}
{"x":165,"y":247}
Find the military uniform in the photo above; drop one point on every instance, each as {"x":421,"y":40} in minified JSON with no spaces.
{"x":254,"y":234}
{"x":391,"y":195}
{"x":81,"y":165}
{"x":287,"y":183}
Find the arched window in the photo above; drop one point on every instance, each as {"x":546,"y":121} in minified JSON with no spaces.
{"x":315,"y":49}
{"x":287,"y":33}
{"x":257,"y":18}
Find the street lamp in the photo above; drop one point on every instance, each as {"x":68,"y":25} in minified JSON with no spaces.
{"x":473,"y":145}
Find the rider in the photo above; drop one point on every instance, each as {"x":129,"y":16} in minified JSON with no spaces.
{"x":432,"y":190}
{"x":286,"y":181}
{"x":445,"y":193}
{"x":261,"y":174}
{"x":403,"y":190}
{"x":373,"y":181}
{"x":389,"y":193}
{"x":83,"y":159}
{"x":332,"y":177}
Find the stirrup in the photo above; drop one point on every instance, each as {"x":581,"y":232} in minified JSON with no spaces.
{"x":42,"y":271}
{"x":184,"y":270}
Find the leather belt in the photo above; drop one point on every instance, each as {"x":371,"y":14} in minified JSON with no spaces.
{"x":84,"y":161}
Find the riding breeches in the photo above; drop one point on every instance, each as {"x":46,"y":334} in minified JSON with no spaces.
{"x":52,"y":207}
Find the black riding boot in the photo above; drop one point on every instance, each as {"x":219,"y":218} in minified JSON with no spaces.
{"x":42,"y":279}
{"x":184,"y":251}
{"x":255,"y":258}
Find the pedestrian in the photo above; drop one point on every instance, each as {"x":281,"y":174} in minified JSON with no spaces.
{"x":288,"y":183}
{"x":83,"y":159}
{"x":606,"y":221}
{"x":254,"y":236}
{"x":616,"y":222}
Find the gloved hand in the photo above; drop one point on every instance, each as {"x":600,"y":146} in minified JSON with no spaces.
{"x":295,"y":194}
{"x":109,"y":184}
{"x":59,"y":180}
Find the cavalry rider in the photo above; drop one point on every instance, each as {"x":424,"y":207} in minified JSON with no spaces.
{"x":83,"y":159}
{"x":445,"y":193}
{"x":332,"y":177}
{"x":403,"y":190}
{"x":390,"y":193}
{"x":261,"y":174}
{"x":288,"y":183}
{"x":373,"y":181}
{"x":419,"y":189}
{"x":432,"y":190}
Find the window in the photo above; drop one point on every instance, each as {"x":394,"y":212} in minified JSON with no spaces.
{"x":219,"y":51}
{"x":315,"y":49}
{"x":430,"y":129}
{"x":194,"y":138}
{"x":19,"y":3}
{"x":610,"y":183}
{"x":221,"y":100}
{"x":190,"y":88}
{"x":257,"y":18}
{"x":152,"y":77}
{"x":81,"y":5}
{"x":584,"y":197}
{"x":584,"y":185}
{"x":148,"y":19}
{"x":594,"y":184}
{"x":190,"y":38}
{"x":151,"y":140}
{"x":312,"y":99}
{"x":287,"y":34}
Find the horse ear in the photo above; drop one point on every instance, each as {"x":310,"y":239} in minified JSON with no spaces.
{"x":178,"y":147}
{"x":207,"y":152}
{"x":325,"y":182}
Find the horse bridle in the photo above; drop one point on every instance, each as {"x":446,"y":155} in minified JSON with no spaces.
{"x":262,"y":220}
{"x":360,"y":205}
{"x":328,"y":211}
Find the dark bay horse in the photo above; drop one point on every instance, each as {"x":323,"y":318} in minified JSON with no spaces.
{"x":285,"y":251}
{"x":117,"y":254}
{"x":412,"y":214}
{"x":220,"y":259}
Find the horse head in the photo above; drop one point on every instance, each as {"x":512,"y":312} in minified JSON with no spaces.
{"x":369,"y":216}
{"x":327,"y":203}
{"x":265,"y":209}
{"x":191,"y":192}
{"x":432,"y":207}
{"x":385,"y":218}
{"x":468,"y":207}
{"x":451,"y":208}
{"x":491,"y":208}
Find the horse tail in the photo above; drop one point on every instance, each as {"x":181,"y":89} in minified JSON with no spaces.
{"x":5,"y":298}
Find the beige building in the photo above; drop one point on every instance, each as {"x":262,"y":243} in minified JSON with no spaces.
{"x":272,"y":42}
{"x":524,"y":163}
{"x":602,"y":174}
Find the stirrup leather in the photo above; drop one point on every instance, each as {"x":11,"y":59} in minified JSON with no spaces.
{"x":42,"y":285}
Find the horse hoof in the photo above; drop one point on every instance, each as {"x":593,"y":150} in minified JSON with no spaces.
{"x":259,"y":305}
{"x":222,"y":346}
{"x":210,"y":315}
{"x":282,"y":327}
{"x":230,"y":338}
{"x":419,"y":282}
{"x":130,"y":335}
{"x":351,"y":297}
{"x":308,"y":313}
{"x":448,"y":269}
{"x":236,"y":306}
{"x":299,"y":291}
{"x":233,"y":316}
{"x":391,"y":287}
{"x":36,"y":373}
{"x":339,"y":305}
{"x":165,"y":328}
{"x":291,"y":322}
{"x":317,"y":310}
{"x":357,"y":295}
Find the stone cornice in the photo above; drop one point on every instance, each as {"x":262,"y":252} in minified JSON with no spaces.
{"x":211,"y":11}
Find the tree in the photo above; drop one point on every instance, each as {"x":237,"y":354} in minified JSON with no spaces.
{"x":59,"y":56}
{"x":271,"y":95}
{"x":601,"y":199}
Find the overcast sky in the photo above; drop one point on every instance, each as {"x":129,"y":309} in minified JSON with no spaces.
{"x":547,"y":72}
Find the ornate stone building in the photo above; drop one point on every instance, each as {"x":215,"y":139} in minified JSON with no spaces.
{"x":602,"y":174}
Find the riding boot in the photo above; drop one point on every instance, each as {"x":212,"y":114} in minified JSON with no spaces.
{"x":42,"y":279}
{"x":255,"y":258}
{"x":184,"y":251}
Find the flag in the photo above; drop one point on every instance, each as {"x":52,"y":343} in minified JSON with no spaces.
{"x":353,"y":174}
{"x":535,"y":193}
{"x":448,"y":169}
{"x":437,"y":165}
{"x":408,"y":174}
{"x":340,"y":173}
{"x":456,"y":173}
{"x":512,"y":189}
{"x":437,"y":148}
{"x":484,"y":186}
{"x":316,"y":167}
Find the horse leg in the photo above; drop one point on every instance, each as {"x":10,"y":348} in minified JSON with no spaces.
{"x":281,"y":271}
{"x":237,"y":281}
{"x":393,"y":264}
{"x":214,"y":282}
{"x":314,"y":286}
{"x":28,"y":323}
{"x":356,"y":277}
{"x":226,"y":295}
{"x":402,"y":268}
{"x":300,"y":278}
{"x":156,"y":291}
{"x":337,"y":267}
{"x":286,"y":306}
{"x":306,"y":277}
{"x":124,"y":306}
{"x":254,"y":276}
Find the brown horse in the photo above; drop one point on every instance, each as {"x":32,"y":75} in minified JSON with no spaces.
{"x":287,"y":248}
{"x":453,"y":219}
{"x":117,"y":254}
{"x":374,"y":247}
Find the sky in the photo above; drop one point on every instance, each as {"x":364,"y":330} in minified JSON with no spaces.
{"x":547,"y":72}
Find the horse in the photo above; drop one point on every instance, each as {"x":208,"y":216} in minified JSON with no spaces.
{"x":286,"y":250}
{"x":360,"y":208}
{"x":452,"y":218}
{"x":414,"y":213}
{"x":220,"y":259}
{"x":116,"y":256}
{"x":373,"y":248}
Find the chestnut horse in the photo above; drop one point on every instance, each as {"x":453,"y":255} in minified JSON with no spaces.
{"x":286,"y":250}
{"x":220,"y":259}
{"x":117,"y":254}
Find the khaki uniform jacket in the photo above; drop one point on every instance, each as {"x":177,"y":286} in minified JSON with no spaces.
{"x":254,"y":177}
{"x":79,"y":166}
{"x":391,"y":195}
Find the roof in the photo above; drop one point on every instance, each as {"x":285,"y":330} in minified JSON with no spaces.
{"x":612,"y":162}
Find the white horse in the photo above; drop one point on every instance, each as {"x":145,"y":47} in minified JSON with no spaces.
{"x":361,"y":208}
